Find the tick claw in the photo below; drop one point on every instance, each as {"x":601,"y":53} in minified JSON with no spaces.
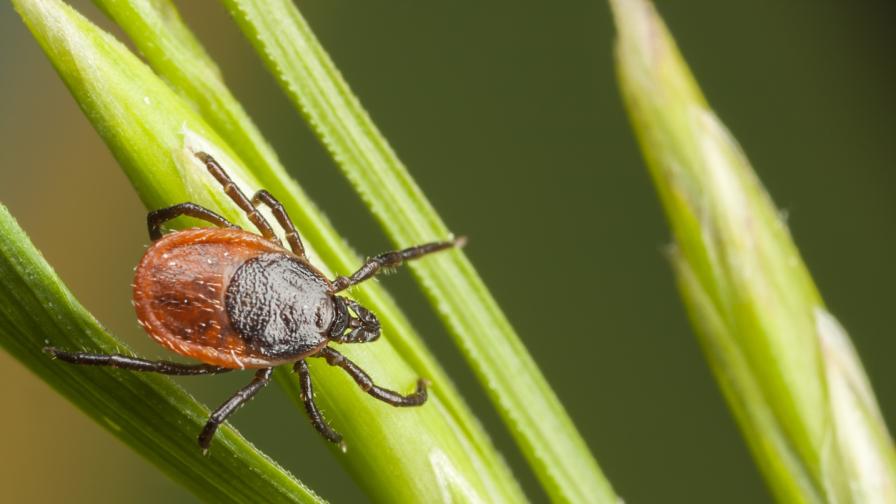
{"x":53,"y":352}
{"x":422,"y":388}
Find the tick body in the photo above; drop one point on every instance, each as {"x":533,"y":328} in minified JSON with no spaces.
{"x":233,"y":299}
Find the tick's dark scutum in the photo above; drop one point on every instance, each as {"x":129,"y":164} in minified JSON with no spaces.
{"x":280,"y":305}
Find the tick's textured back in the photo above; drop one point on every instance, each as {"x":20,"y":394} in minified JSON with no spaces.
{"x":280,"y":305}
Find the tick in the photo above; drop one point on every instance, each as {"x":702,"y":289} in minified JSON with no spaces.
{"x":233,"y":299}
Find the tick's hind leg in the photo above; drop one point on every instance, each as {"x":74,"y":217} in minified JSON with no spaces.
{"x":317,"y":419}
{"x":237,"y":196}
{"x":134,"y":363}
{"x":262,"y":378}
{"x":393,"y":259}
{"x":363,"y":380}
{"x":156,"y":218}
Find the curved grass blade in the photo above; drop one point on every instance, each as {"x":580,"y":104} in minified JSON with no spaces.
{"x":150,"y":413}
{"x":786,"y":367}
{"x":531,"y":410}
{"x":409,"y":455}
{"x":172,"y":50}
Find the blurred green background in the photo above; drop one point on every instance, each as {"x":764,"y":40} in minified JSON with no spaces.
{"x":508,"y":115}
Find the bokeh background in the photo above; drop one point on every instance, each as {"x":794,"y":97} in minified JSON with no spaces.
{"x":508,"y":115}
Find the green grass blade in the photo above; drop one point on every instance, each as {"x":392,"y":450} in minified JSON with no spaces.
{"x":169,"y":46}
{"x":529,"y":407}
{"x":786,"y":367}
{"x":150,"y":413}
{"x":410,"y":455}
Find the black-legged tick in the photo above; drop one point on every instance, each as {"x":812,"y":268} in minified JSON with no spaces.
{"x":235,"y":300}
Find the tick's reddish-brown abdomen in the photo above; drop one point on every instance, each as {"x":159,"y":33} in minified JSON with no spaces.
{"x":179,"y":290}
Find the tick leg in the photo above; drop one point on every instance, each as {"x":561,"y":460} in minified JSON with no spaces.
{"x":317,"y":419}
{"x":134,"y":364}
{"x":292,"y":236}
{"x":262,"y":378}
{"x":393,"y":259}
{"x":156,"y":218}
{"x":335,"y":358}
{"x":237,"y":196}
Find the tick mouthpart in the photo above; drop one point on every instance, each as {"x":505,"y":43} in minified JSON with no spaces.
{"x":361,"y":329}
{"x":361,"y":335}
{"x":353,"y":323}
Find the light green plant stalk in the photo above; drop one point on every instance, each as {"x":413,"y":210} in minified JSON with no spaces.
{"x":786,"y":367}
{"x":410,"y":455}
{"x":150,"y":413}
{"x":175,"y":54}
{"x":536,"y":418}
